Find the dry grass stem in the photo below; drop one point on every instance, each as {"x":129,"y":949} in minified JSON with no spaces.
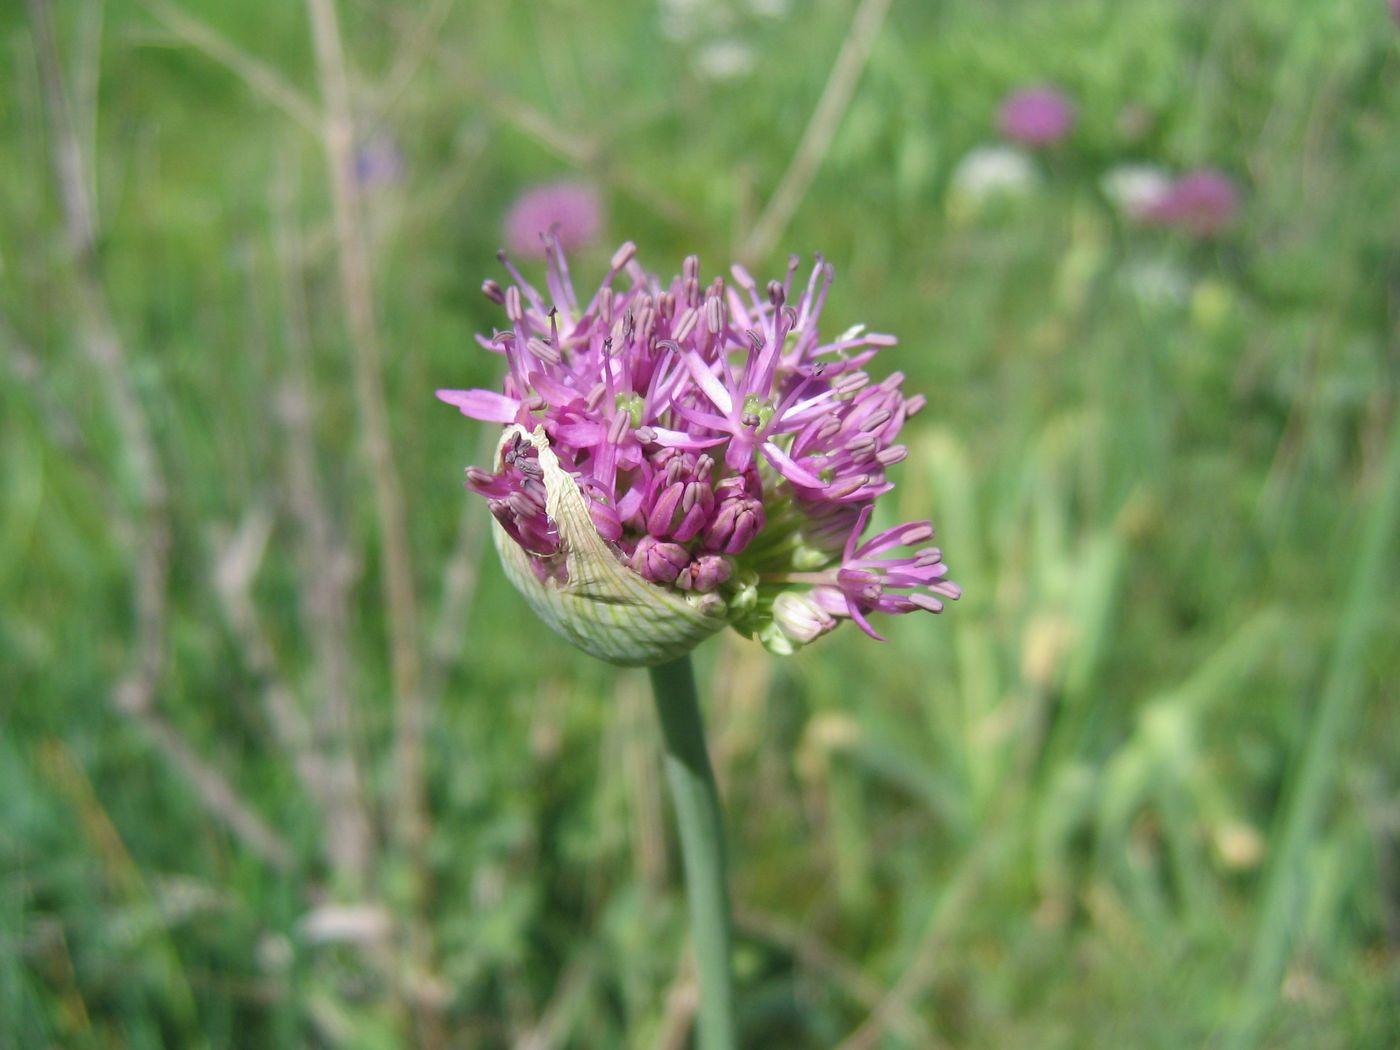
{"x":326,"y":574}
{"x":346,"y":837}
{"x":460,"y":579}
{"x":556,"y":1023}
{"x":816,"y":954}
{"x":28,"y":370}
{"x":357,"y":291}
{"x":260,"y":78}
{"x":922,"y":967}
{"x":682,"y":1000}
{"x":821,"y":129}
{"x":134,"y":696}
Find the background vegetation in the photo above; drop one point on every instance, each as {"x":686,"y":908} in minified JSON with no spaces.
{"x":283,"y":759}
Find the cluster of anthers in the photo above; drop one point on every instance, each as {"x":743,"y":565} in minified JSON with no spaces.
{"x":724,"y":453}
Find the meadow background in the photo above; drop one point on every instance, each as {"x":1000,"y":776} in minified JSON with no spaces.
{"x":284,"y":761}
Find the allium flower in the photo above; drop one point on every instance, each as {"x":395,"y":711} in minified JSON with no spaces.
{"x":571,"y":209}
{"x":677,"y":457}
{"x":1201,"y":202}
{"x":1038,"y":116}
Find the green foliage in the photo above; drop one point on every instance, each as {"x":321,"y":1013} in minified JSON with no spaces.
{"x":1137,"y":788}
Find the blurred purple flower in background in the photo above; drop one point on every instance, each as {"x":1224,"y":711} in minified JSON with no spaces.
{"x":573,"y":207}
{"x":1037,"y":116}
{"x":1201,"y":202}
{"x":1395,"y":9}
{"x":379,"y":161}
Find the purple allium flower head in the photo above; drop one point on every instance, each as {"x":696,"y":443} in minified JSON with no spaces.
{"x":697,"y":445}
{"x":1201,"y":202}
{"x":1037,"y":116}
{"x":571,"y":209}
{"x":1395,"y":9}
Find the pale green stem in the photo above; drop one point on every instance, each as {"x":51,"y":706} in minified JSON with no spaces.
{"x":702,"y":847}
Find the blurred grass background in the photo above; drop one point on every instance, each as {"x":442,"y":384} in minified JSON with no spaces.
{"x":284,"y":761}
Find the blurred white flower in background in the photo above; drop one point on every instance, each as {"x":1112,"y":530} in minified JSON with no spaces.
{"x":1157,"y":282}
{"x":1135,"y":189}
{"x":713,"y":32}
{"x":725,"y":60}
{"x":990,"y":172}
{"x":682,"y":20}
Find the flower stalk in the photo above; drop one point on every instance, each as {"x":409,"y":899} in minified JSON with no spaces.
{"x":701,"y":824}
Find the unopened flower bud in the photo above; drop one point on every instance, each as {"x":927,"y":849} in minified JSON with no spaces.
{"x":659,"y":561}
{"x":704,"y":574}
{"x":797,"y":620}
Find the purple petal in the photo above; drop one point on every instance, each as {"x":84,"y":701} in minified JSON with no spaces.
{"x":580,"y":435}
{"x":629,"y":504}
{"x":788,"y":468}
{"x":851,"y":541}
{"x":679,"y":439}
{"x":485,"y":405}
{"x":707,"y":382}
{"x":863,"y":623}
{"x":905,"y":535}
{"x":704,"y":419}
{"x":556,"y":393}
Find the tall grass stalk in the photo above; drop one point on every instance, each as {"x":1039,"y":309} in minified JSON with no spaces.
{"x":1342,"y":693}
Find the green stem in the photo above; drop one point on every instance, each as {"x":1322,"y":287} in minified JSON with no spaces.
{"x":1343,"y":691}
{"x":702,"y":846}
